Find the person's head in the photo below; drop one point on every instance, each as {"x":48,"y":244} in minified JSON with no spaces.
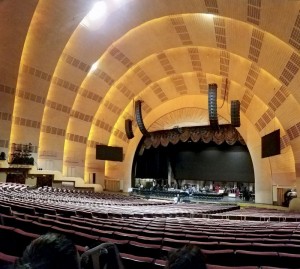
{"x":50,"y":251}
{"x":188,"y":257}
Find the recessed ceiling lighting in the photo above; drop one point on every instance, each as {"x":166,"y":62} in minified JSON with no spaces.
{"x":93,"y":67}
{"x":95,"y":16}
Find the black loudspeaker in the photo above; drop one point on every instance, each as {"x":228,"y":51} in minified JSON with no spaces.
{"x":212,"y":105}
{"x":235,"y":113}
{"x":128,"y":129}
{"x":94,"y":178}
{"x":139,"y":118}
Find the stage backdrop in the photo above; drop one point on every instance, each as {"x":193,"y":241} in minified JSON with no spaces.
{"x":197,"y":161}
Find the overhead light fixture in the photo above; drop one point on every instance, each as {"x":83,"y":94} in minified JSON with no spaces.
{"x":95,"y":16}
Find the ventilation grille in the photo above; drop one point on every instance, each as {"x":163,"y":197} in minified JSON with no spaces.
{"x":195,"y":59}
{"x":35,"y":72}
{"x":90,"y":95}
{"x":104,"y":77}
{"x":181,"y":30}
{"x":279,"y":97}
{"x":102,"y":125}
{"x":295,"y":35}
{"x":125,"y":91}
{"x":212,"y":6}
{"x":220,"y":32}
{"x":165,"y":63}
{"x":253,"y":11}
{"x":246,"y":100}
{"x":120,"y":56}
{"x":58,"y":107}
{"x":119,"y":134}
{"x":5,"y":116}
{"x":202,"y":82}
{"x":265,"y":119}
{"x":81,"y":116}
{"x":159,"y":92}
{"x":113,"y":108}
{"x":76,"y":63}
{"x":7,"y":89}
{"x":284,"y":142}
{"x":179,"y":84}
{"x":76,"y":138}
{"x":252,"y":77}
{"x":294,"y":131}
{"x":224,"y":63}
{"x":53,"y":130}
{"x":26,"y":122}
{"x":142,"y":75}
{"x":255,"y":45}
{"x":290,"y":70}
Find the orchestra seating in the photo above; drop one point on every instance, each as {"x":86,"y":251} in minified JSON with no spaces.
{"x":146,"y":230}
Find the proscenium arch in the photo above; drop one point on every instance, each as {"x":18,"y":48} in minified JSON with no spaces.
{"x":263,"y":168}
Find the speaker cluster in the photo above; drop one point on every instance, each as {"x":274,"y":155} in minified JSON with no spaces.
{"x":212,"y":113}
{"x":213,"y":109}
{"x":212,"y":105}
{"x":139,"y":118}
{"x":128,"y":129}
{"x":235,"y":113}
{"x":139,"y":121}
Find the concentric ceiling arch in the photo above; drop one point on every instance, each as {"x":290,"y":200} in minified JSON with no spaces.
{"x":159,"y":52}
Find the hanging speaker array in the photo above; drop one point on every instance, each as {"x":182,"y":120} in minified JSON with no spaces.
{"x":139,"y":118}
{"x":235,"y":113}
{"x":212,"y":105}
{"x":128,"y":129}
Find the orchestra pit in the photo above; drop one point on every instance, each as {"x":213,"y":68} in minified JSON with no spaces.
{"x":137,"y":127}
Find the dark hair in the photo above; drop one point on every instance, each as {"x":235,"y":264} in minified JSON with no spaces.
{"x":188,"y":257}
{"x":50,"y":251}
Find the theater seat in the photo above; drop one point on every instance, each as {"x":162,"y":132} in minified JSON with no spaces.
{"x":212,"y":266}
{"x":142,"y":249}
{"x":159,"y":264}
{"x":256,"y":258}
{"x":289,"y":260}
{"x":7,"y":260}
{"x":131,"y":261}
{"x":220,"y":257}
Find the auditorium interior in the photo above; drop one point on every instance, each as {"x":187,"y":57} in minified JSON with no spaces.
{"x":152,"y":125}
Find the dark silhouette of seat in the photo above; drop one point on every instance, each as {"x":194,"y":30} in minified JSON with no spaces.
{"x":256,"y":258}
{"x":289,"y":260}
{"x":169,"y":242}
{"x":220,"y":257}
{"x":159,"y":264}
{"x":131,"y":261}
{"x":144,"y":250}
{"x":6,"y":261}
{"x":6,"y":210}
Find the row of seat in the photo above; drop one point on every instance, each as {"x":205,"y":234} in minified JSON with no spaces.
{"x":229,"y":257}
{"x":158,"y":228}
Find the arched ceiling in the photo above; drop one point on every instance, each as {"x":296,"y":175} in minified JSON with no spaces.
{"x":68,"y":80}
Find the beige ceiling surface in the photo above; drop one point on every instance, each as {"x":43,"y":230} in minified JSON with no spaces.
{"x":164,"y":52}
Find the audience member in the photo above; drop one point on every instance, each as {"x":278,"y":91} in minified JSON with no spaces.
{"x":50,"y":251}
{"x":188,"y":257}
